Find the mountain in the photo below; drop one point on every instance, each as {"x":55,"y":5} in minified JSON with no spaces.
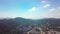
{"x":8,"y":25}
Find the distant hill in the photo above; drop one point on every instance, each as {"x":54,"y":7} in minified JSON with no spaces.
{"x":6,"y":25}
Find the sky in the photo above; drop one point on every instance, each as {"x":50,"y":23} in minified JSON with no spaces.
{"x":31,"y":9}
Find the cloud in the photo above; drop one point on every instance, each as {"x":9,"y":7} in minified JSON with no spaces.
{"x":52,"y":14}
{"x":53,"y":9}
{"x":49,"y":15}
{"x":47,"y":5}
{"x":32,"y":9}
{"x":58,"y":8}
{"x":43,"y":1}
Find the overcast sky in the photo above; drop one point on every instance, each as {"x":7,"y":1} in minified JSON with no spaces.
{"x":31,"y":9}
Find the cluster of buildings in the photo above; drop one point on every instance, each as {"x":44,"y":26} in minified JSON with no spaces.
{"x":33,"y":29}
